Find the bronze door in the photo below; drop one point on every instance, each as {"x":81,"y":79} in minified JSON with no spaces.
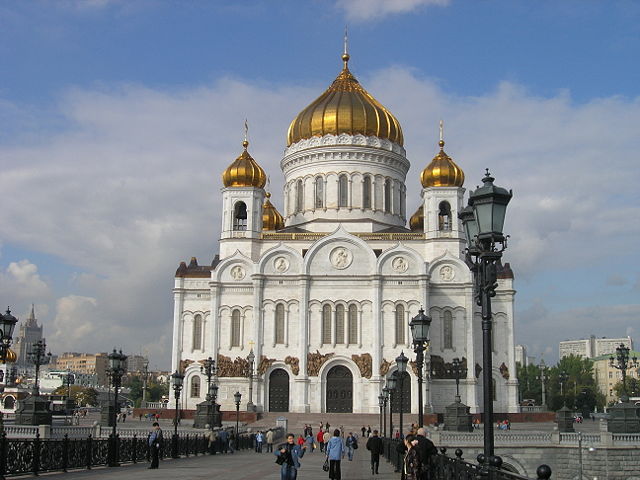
{"x":279,"y":391}
{"x":339,"y":390}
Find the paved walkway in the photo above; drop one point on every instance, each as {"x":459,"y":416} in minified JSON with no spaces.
{"x":239,"y":466}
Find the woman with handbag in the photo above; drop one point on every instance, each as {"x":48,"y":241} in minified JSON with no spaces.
{"x":412,"y":466}
{"x":288,"y":456}
{"x":335,"y":452}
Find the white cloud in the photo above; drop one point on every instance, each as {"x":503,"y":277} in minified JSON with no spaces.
{"x":22,"y":281}
{"x":133,"y":185}
{"x":363,"y":10}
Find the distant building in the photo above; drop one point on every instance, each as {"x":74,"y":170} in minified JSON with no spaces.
{"x":135,"y":363}
{"x":85,"y":363}
{"x":593,"y":347}
{"x":607,"y":377}
{"x":29,"y":333}
{"x":521,"y":355}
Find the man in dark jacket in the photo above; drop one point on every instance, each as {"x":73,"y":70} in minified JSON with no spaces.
{"x":155,"y":442}
{"x":374,"y":445}
{"x":426,"y":451}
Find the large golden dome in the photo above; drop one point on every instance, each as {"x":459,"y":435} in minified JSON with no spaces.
{"x":442,"y":171}
{"x":416,"y":222}
{"x":271,"y":218}
{"x":345,"y":107}
{"x":244,"y":172}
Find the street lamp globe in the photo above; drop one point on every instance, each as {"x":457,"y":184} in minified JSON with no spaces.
{"x":420,"y":328}
{"x":7,"y":323}
{"x":490,"y":207}
{"x":381,"y":400}
{"x":177,"y":379}
{"x":402,"y":361}
{"x":238,"y":398}
{"x":116,"y":360}
{"x":392,"y":383}
{"x":469,"y":224}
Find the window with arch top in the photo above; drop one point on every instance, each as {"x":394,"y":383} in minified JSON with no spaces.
{"x":444,"y":216}
{"x":353,"y":325}
{"x":197,"y":333}
{"x":340,"y":324}
{"x":195,"y":387}
{"x":235,"y":328}
{"x":343,"y":191}
{"x":387,"y":196}
{"x":326,"y":324}
{"x":299,"y":196}
{"x":447,"y":327}
{"x":399,"y":324}
{"x":240,"y":216}
{"x":279,"y":323}
{"x":319,"y":192}
{"x":366,"y":192}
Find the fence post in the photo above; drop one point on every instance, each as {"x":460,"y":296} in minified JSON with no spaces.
{"x":89,"y":452}
{"x":65,"y":452}
{"x":3,"y":455}
{"x":35,"y":464}
{"x":134,"y":446}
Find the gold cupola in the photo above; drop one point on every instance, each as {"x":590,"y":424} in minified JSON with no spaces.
{"x":271,"y":218}
{"x":416,"y":222}
{"x":442,"y":171}
{"x":244,"y":171}
{"x":345,"y":107}
{"x":11,"y":356}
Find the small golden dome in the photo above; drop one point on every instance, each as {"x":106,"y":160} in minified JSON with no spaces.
{"x":442,"y":171}
{"x":416,"y":222}
{"x":271,"y":218}
{"x":11,"y":356}
{"x":244,"y":172}
{"x":345,"y":107}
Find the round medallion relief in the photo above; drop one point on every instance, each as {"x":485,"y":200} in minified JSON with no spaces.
{"x":447,"y":273}
{"x":281,"y":264}
{"x":237,"y":272}
{"x":340,"y":258}
{"x":400,"y":264}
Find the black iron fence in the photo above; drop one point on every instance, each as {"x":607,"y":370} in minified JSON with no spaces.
{"x":445,"y":467}
{"x":35,"y":455}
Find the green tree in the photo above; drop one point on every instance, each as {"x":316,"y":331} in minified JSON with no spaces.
{"x":633,"y":387}
{"x":83,"y":396}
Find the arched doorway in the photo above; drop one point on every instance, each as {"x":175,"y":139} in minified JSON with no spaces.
{"x":339,"y":390}
{"x":279,"y":391}
{"x":406,"y":394}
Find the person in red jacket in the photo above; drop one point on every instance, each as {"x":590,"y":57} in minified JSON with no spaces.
{"x":300,"y":440}
{"x":320,"y":439}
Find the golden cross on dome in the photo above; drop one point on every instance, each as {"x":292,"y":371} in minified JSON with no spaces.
{"x":441,"y":130}
{"x":251,"y":344}
{"x":345,"y":53}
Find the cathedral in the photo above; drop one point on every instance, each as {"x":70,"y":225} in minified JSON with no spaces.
{"x":307,"y":310}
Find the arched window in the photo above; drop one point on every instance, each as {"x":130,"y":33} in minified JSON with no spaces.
{"x":299,"y":196}
{"x":326,"y":324}
{"x":195,"y":387}
{"x":403,"y":204}
{"x":399,"y":324}
{"x":366,"y":192}
{"x":235,"y":328}
{"x":444,"y":216}
{"x":447,"y":329}
{"x":279,"y":323}
{"x":319,"y":192}
{"x":343,"y":191}
{"x":387,"y":196}
{"x":9,"y":402}
{"x":240,"y":216}
{"x":353,"y":325}
{"x":340,"y":324}
{"x":197,"y":332}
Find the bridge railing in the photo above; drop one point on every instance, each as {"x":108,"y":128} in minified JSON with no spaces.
{"x":444,"y":467}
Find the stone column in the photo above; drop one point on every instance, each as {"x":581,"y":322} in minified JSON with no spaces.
{"x":302,"y":380}
{"x":258,"y":335}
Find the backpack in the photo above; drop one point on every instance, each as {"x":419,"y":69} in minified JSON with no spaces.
{"x":354,"y":443}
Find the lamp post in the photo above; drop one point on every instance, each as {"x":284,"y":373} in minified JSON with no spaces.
{"x":238,"y":398}
{"x":420,"y":332}
{"x":117,"y":369}
{"x":145,"y":376}
{"x":67,"y":380}
{"x":177,"y":380}
{"x":392,"y":383}
{"x":38,"y":357}
{"x":7,"y":324}
{"x":623,"y":363}
{"x":385,"y":393}
{"x":483,"y":221}
{"x":562,"y":378}
{"x":208,"y":367}
{"x":250,"y":359}
{"x":381,"y":405}
{"x":401,"y":362}
{"x":542,"y":377}
{"x":455,"y":370}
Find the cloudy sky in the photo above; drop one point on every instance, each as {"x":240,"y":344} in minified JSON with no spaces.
{"x":117,"y":118}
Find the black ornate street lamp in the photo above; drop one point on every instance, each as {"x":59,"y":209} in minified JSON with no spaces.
{"x":543,"y":377}
{"x":145,"y":377}
{"x":385,"y":393}
{"x":392,"y":383}
{"x":177,"y":380}
{"x":381,"y":405}
{"x":250,"y":359}
{"x":562,"y":378}
{"x":420,"y":332}
{"x":7,"y":325}
{"x":238,"y":398}
{"x":208,"y":367}
{"x":456,"y":369}
{"x":117,"y":369}
{"x":38,"y":356}
{"x":483,"y":222}
{"x":623,"y":363}
{"x":67,"y":380}
{"x":401,"y":362}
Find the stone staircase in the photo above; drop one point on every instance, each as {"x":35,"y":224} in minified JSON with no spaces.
{"x":351,"y":422}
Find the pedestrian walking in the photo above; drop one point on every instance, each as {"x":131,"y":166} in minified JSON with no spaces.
{"x":289,"y":455}
{"x":155,"y":442}
{"x":352,"y":445}
{"x":212,"y":438}
{"x":368,"y":430}
{"x":374,"y":445}
{"x":426,"y":450}
{"x":269,"y":439}
{"x":326,"y":436}
{"x":309,"y":442}
{"x":320,"y":440}
{"x":411,"y":466}
{"x":335,"y":452}
{"x":223,"y":437}
{"x":259,"y":441}
{"x":363,"y":430}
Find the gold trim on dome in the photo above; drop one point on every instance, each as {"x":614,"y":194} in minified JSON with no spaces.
{"x":442,"y":171}
{"x":416,"y":222}
{"x":345,"y":107}
{"x":271,"y":218}
{"x":244,"y":171}
{"x":11,"y":356}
